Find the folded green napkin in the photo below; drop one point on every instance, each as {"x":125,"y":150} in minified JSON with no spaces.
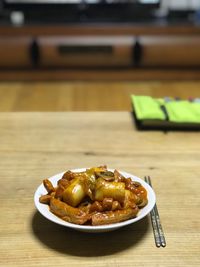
{"x":183,"y":111}
{"x":147,"y":108}
{"x":168,"y":112}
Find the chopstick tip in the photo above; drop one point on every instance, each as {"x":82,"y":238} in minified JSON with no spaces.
{"x":163,"y":244}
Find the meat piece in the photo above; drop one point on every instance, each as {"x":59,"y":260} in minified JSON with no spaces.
{"x":59,"y":192}
{"x":96,"y":206}
{"x":107,"y":203}
{"x":45,"y":199}
{"x":64,"y":183}
{"x":130,"y":200}
{"x":109,"y":217}
{"x":119,"y":177}
{"x":68,"y":175}
{"x":48,"y":185}
{"x":68,"y":213}
{"x":116,"y":205}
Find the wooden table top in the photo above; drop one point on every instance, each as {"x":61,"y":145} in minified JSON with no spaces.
{"x":34,"y":146}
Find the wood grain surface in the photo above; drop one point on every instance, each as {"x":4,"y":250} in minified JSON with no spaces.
{"x":87,"y":96}
{"x":37,"y":145}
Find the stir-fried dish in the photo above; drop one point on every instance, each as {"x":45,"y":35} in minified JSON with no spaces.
{"x":95,"y":196}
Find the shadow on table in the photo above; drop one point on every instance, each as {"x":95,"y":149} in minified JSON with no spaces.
{"x":81,"y":244}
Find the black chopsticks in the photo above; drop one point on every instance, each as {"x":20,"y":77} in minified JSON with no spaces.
{"x":156,"y":224}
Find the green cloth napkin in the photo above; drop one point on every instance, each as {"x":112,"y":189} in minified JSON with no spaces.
{"x":147,"y":108}
{"x":181,"y":111}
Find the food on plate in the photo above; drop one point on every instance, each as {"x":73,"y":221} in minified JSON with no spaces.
{"x":96,"y":196}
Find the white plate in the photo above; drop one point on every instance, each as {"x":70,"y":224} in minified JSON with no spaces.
{"x":44,"y":209}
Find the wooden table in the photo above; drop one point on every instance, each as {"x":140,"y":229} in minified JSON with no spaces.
{"x":87,"y":96}
{"x":38,"y":145}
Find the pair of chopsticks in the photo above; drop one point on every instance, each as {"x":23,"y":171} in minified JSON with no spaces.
{"x":156,"y":224}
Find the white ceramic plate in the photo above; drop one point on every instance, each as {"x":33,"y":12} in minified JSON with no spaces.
{"x":44,"y":209}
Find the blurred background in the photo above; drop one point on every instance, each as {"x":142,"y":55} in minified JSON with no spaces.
{"x":71,"y":55}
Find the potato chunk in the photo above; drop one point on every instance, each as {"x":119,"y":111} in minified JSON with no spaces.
{"x":74,"y":193}
{"x":114,"y":190}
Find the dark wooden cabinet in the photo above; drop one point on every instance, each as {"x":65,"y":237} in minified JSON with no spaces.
{"x":15,"y":52}
{"x":170,"y":51}
{"x":102,"y":51}
{"x":86,"y":51}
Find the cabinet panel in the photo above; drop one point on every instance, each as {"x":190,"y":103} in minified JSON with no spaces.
{"x":15,"y":52}
{"x":170,"y":51}
{"x":86,"y":51}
